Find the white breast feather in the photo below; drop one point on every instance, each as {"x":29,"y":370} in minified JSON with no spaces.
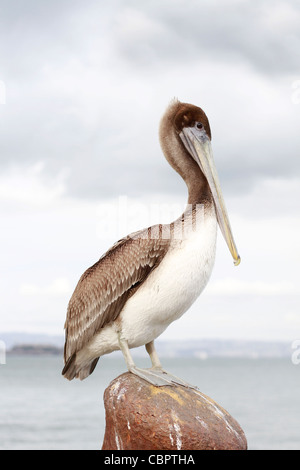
{"x":166,"y":294}
{"x":172,"y":287}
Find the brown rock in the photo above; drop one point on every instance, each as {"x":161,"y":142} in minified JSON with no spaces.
{"x":140,"y":416}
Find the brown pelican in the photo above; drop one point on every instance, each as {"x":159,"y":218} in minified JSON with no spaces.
{"x":150,"y":278}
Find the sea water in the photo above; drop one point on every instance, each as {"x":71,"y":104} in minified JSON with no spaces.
{"x":39,"y":409}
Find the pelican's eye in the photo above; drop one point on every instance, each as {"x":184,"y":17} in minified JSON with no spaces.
{"x":199,"y":125}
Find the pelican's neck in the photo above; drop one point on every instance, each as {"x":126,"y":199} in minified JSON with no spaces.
{"x":198,"y":189}
{"x":185,"y":165}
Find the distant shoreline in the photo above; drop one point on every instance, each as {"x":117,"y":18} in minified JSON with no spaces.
{"x":35,"y":350}
{"x":30,"y":344}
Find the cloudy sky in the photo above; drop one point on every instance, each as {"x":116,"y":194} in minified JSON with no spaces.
{"x":82,"y":88}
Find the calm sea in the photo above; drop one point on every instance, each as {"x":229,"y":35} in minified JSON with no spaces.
{"x":41,"y":410}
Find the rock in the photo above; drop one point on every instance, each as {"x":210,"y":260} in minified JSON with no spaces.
{"x":140,"y":416}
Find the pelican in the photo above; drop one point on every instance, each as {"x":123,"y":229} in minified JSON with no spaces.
{"x":150,"y":278}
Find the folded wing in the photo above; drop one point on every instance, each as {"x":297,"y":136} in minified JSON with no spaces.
{"x":104,"y":288}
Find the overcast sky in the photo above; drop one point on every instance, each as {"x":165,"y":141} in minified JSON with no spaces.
{"x":83,"y":87}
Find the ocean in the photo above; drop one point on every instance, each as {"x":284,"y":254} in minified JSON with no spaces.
{"x":41,"y":410}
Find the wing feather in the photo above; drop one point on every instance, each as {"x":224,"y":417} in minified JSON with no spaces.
{"x":104,"y":288}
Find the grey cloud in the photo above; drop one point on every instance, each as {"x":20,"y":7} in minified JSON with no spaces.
{"x":263,"y":35}
{"x":78,"y":78}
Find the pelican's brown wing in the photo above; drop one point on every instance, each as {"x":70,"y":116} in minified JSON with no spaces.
{"x":104,"y":288}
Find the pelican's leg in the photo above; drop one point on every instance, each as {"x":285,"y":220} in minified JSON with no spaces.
{"x":126,"y":353}
{"x":146,"y":374}
{"x":159,"y":371}
{"x":153,"y":355}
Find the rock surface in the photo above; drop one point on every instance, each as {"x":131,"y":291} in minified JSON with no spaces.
{"x":140,"y":416}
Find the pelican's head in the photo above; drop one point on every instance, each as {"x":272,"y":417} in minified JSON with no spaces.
{"x":191,"y":127}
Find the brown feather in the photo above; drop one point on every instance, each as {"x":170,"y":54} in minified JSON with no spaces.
{"x":104,"y":288}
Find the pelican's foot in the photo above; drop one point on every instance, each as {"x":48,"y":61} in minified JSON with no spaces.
{"x":173,"y":378}
{"x":159,"y":377}
{"x":151,"y":376}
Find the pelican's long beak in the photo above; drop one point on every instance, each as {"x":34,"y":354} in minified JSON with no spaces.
{"x":199,"y":146}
